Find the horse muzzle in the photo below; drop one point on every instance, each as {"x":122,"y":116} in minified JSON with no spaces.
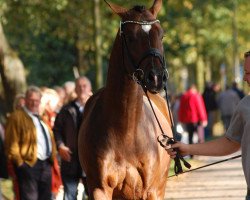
{"x":155,"y":80}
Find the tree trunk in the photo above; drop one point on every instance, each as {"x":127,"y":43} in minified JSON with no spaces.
{"x":98,"y":56}
{"x":12,"y":72}
{"x":235,"y":62}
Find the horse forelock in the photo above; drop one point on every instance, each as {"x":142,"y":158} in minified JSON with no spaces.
{"x":138,"y":13}
{"x":139,"y":8}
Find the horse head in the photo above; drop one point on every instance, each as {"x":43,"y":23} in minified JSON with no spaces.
{"x":141,"y":35}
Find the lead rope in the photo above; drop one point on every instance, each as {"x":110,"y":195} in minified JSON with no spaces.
{"x":178,"y":157}
{"x":214,"y":163}
{"x":164,"y":140}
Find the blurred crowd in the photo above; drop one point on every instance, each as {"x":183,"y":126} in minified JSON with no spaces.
{"x":38,"y":142}
{"x":197,"y":114}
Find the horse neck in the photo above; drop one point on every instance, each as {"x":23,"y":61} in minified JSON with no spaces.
{"x":123,"y":96}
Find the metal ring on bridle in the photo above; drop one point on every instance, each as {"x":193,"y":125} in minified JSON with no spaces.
{"x":135,"y":75}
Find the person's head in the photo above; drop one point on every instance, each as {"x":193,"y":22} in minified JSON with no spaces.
{"x":192,"y":87}
{"x":234,"y":84}
{"x":60,"y":91}
{"x":19,"y":101}
{"x":83,"y":88}
{"x":49,"y":100}
{"x":216,"y":87}
{"x":33,"y":99}
{"x":247,"y":67}
{"x":69,"y":88}
{"x":62,"y":95}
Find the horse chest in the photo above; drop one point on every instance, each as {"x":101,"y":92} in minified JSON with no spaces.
{"x":133,"y":181}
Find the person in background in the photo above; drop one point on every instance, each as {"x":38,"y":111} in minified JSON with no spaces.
{"x":31,"y":148}
{"x":175,"y":108}
{"x":210,"y":99}
{"x":69,"y":88}
{"x":192,"y":112}
{"x":237,"y":135}
{"x":19,"y":101}
{"x":235,"y":88}
{"x":3,"y":160}
{"x":66,"y":128}
{"x":49,"y":104}
{"x":48,"y":108}
{"x":227,"y":102}
{"x":62,"y":97}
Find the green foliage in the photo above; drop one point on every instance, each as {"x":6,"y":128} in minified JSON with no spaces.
{"x":46,"y":35}
{"x":53,"y":36}
{"x":6,"y":186}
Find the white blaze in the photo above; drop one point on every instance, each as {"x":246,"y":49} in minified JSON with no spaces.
{"x":146,"y":28}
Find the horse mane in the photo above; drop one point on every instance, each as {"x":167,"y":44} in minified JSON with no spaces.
{"x":139,"y":8}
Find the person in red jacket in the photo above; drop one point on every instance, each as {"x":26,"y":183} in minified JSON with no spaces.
{"x":192,"y":112}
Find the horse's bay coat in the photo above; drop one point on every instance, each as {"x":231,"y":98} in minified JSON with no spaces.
{"x":118,"y":146}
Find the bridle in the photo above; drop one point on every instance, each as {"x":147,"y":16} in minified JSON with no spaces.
{"x":138,"y":76}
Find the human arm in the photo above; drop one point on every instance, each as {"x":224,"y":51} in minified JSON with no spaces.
{"x":59,"y":133}
{"x":218,"y":147}
{"x":65,"y":153}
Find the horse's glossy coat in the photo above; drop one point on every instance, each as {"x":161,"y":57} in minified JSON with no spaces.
{"x":118,"y":146}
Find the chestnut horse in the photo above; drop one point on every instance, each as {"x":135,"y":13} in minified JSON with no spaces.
{"x":118,"y":146}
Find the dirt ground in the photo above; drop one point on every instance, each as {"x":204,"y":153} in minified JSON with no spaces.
{"x":223,"y":181}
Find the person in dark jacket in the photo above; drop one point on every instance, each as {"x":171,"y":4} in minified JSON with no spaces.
{"x":210,"y":99}
{"x":66,"y":128}
{"x":239,"y":92}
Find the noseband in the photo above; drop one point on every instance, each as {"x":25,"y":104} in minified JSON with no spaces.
{"x":138,"y":74}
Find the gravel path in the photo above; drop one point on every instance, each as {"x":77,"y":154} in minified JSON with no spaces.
{"x":223,"y":181}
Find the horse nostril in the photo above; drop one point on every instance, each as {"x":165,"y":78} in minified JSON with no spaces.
{"x":152,"y":77}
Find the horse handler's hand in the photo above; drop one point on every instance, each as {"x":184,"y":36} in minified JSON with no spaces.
{"x":171,"y":152}
{"x":183,"y":149}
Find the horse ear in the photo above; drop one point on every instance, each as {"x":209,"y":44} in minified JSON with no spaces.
{"x":156,"y":7}
{"x":117,"y":9}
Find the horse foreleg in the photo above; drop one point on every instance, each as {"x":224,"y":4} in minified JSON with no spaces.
{"x":100,"y":194}
{"x":154,"y":196}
